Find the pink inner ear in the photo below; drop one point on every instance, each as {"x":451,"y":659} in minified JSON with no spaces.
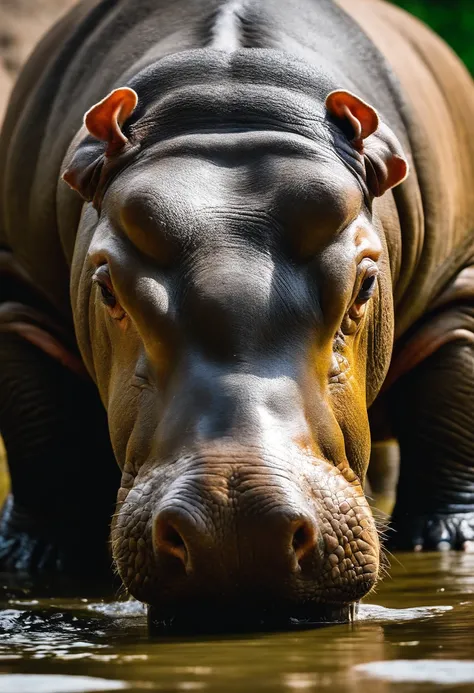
{"x":398,"y":171}
{"x":356,"y":126}
{"x":386,"y":164}
{"x":103,"y":120}
{"x":362,"y":117}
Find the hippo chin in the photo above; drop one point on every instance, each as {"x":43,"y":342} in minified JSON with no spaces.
{"x":231,"y":257}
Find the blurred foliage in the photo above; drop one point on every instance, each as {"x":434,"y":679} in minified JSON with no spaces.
{"x":451,"y":19}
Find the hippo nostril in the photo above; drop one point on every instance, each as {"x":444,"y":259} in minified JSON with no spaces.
{"x":304,"y":539}
{"x":169,"y":541}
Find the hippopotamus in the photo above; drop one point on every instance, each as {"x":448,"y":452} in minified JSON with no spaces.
{"x":237,"y":246}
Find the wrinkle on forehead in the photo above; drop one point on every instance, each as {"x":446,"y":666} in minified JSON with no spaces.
{"x":171,"y":205}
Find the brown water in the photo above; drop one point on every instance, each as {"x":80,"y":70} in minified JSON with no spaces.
{"x":424,"y":612}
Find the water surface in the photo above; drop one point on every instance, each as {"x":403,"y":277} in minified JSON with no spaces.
{"x":415,"y":634}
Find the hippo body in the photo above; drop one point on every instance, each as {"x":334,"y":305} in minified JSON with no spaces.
{"x":249,"y":150}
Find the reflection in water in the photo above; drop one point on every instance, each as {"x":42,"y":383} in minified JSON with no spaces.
{"x":424,"y":612}
{"x":426,"y":670}
{"x":47,"y":683}
{"x":373,"y":612}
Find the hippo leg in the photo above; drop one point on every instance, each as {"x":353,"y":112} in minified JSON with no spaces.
{"x":432,"y":410}
{"x":63,"y":475}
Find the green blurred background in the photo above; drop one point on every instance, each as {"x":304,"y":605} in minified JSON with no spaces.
{"x":452,"y":19}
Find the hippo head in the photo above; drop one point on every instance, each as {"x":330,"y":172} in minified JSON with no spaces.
{"x":232,"y":301}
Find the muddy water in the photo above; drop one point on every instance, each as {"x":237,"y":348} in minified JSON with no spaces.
{"x":416,"y":634}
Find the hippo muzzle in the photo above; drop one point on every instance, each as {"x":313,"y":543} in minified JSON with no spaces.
{"x":260,"y":532}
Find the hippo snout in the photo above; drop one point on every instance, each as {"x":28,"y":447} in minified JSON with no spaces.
{"x":285,"y":537}
{"x":246,"y":532}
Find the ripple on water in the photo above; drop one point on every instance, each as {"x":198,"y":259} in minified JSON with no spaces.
{"x":44,"y":633}
{"x":449,"y":671}
{"x":366,"y":612}
{"x":373,"y":612}
{"x":9,"y":620}
{"x":119,"y":609}
{"x":45,"y":683}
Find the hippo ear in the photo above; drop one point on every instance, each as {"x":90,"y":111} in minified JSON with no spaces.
{"x":385,"y":162}
{"x":103,"y":121}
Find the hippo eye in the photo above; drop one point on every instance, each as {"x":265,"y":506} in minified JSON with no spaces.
{"x":102,"y":279}
{"x":107,"y":295}
{"x":367,"y":289}
{"x":108,"y":298}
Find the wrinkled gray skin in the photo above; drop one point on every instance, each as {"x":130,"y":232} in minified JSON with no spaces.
{"x":234,"y":466}
{"x":237,"y":227}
